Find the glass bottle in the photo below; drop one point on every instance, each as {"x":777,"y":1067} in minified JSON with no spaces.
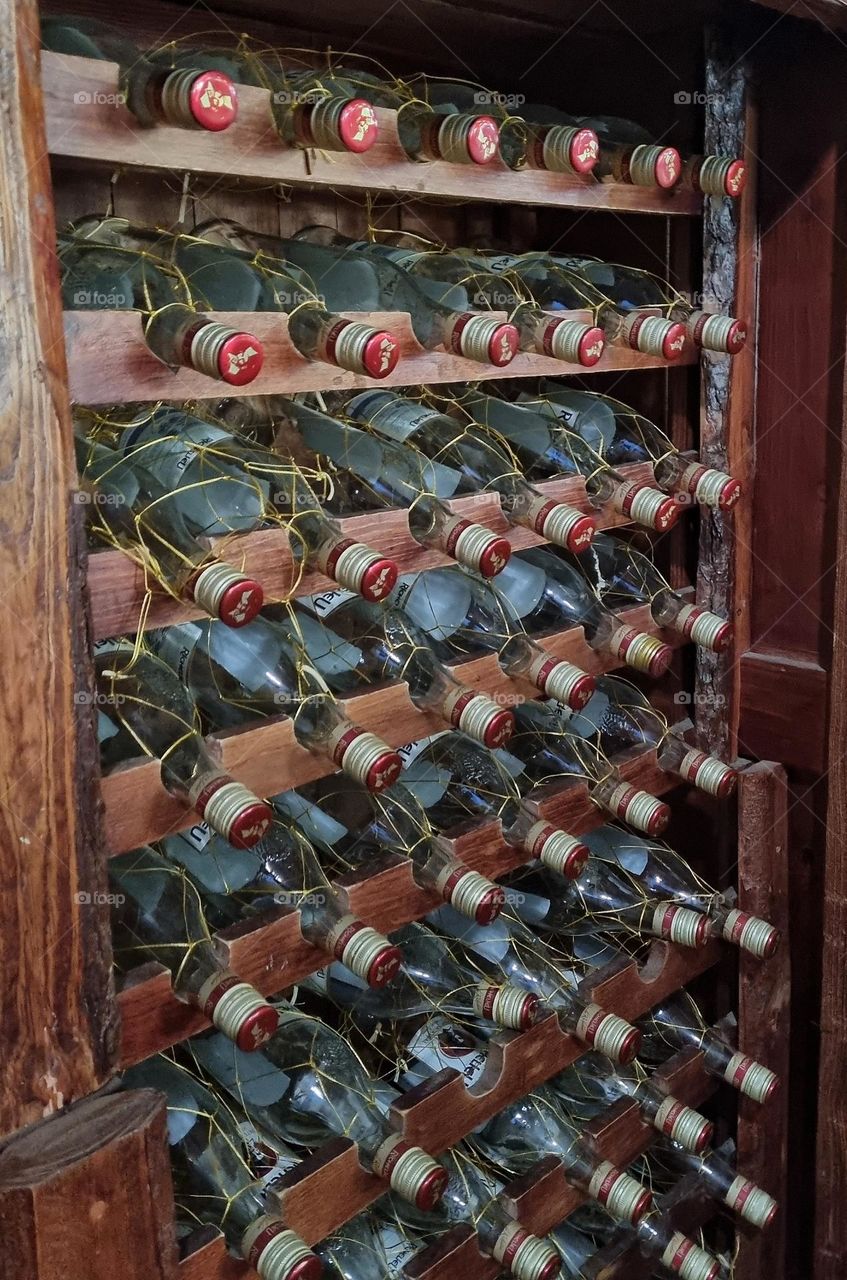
{"x":456,"y":780}
{"x":352,"y":282}
{"x":100,"y":276}
{"x":365,"y":472}
{"x":546,"y":751}
{"x":665,"y":872}
{"x":586,"y":1230}
{"x":627,"y":153}
{"x":354,"y":644}
{"x":143,"y":707}
{"x":357,"y":829}
{"x":264,"y":674}
{"x":282,"y":870}
{"x":435,"y":126}
{"x":483,"y":464}
{"x":155,"y":87}
{"x":623,"y":576}
{"x":307,"y":1086}
{"x":591,"y":1085}
{"x":232,"y":486}
{"x":619,"y":434}
{"x":549,"y":592}
{"x":546,"y":450}
{"x":677,"y":1023}
{"x":214,"y":1181}
{"x":463,"y":616}
{"x":721,"y":1181}
{"x":128,"y":507}
{"x":160,"y":916}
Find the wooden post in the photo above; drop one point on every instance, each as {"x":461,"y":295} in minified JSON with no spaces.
{"x":56,"y":1006}
{"x":87,"y":1195}
{"x":764,"y":1010}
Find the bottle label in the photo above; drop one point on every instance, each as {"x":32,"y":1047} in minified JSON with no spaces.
{"x":316,"y":825}
{"x":410,"y":752}
{"x":396,"y":1248}
{"x":439,"y":602}
{"x":268,"y":1165}
{"x":491,"y":941}
{"x":325,"y":604}
{"x":503,"y":261}
{"x":391,"y":416}
{"x":219,"y":872}
{"x":167,"y":457}
{"x":440,"y":1043}
{"x":175,"y":645}
{"x":329,"y":652}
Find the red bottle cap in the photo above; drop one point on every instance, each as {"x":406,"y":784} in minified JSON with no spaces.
{"x":241,"y":602}
{"x":675,"y":342}
{"x":380,"y":354}
{"x":628,"y":1051}
{"x":378,"y":580}
{"x":240,"y":359}
{"x":659,"y":819}
{"x":736,"y":337}
{"x":495,"y":557}
{"x":213,"y":101}
{"x":591,"y":347}
{"x":550,"y":1270}
{"x":576,"y":861}
{"x":499,"y":729}
{"x":584,"y":151}
{"x":384,"y":772}
{"x":358,"y":128}
{"x":310,"y":1268}
{"x":735,"y":179}
{"x":432,"y":1189}
{"x":729,"y":494}
{"x":668,"y":168}
{"x":504,"y":345}
{"x":385,"y":967}
{"x":483,"y":140}
{"x":490,"y":906}
{"x":644,"y":1202}
{"x":723,"y":638}
{"x":529,"y":1011}
{"x":581,"y":535}
{"x":257,"y":1028}
{"x":253,"y":819}
{"x":667,"y":514}
{"x":582,"y":691}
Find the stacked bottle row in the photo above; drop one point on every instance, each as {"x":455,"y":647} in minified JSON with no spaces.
{"x":479,"y":304}
{"x":334,"y":108}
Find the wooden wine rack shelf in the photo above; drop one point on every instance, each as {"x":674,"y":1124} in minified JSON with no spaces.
{"x":108,"y":360}
{"x":332,"y":1181}
{"x":85,"y":121}
{"x":117,"y":583}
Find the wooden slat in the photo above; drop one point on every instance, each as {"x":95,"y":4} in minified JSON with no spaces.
{"x":783,"y":702}
{"x":267,"y":758}
{"x":117,"y":586}
{"x":85,"y":122}
{"x":56,"y":1005}
{"x":109,"y":360}
{"x":77,"y":1188}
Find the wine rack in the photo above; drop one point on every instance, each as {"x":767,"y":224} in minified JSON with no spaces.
{"x":71,"y":1033}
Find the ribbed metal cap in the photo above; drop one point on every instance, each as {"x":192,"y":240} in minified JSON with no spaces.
{"x":374,"y":353}
{"x":226,"y":354}
{"x":468,"y":139}
{"x":562,"y":148}
{"x":688,"y":1260}
{"x":231,"y":810}
{"x":238,"y":1010}
{"x":476,"y":547}
{"x":507,"y":1005}
{"x":654,"y":335}
{"x":640,"y":650}
{"x":650,"y":165}
{"x":226,"y":593}
{"x":750,"y":1202}
{"x":680,"y":924}
{"x":704,"y":628}
{"x":525,"y":1255}
{"x":622,"y":1196}
{"x":708,"y":773}
{"x":751,"y":1078}
{"x":717,"y":333}
{"x":366,"y":758}
{"x":277,"y":1253}
{"x":339,"y":124}
{"x":364,"y":951}
{"x":638,"y":808}
{"x":359,"y":568}
{"x":561,"y":680}
{"x":684,"y":1125}
{"x":573,"y":341}
{"x":470,"y":893}
{"x":647,"y":505}
{"x":560,"y":523}
{"x":199,"y":100}
{"x":478,"y":716}
{"x":720,"y":175}
{"x":556,"y":849}
{"x":710,"y":487}
{"x":483,"y":338}
{"x":411,"y":1172}
{"x":608,"y":1033}
{"x":751,"y":933}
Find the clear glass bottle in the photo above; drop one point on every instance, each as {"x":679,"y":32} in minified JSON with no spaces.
{"x":282,"y":870}
{"x":98,"y":276}
{"x":126,"y":506}
{"x":591,"y":1085}
{"x":510,"y":948}
{"x":677,"y":1023}
{"x":586,"y":1230}
{"x":463,"y":616}
{"x":546,"y":450}
{"x":186,"y":93}
{"x":353,"y":282}
{"x":232,"y":486}
{"x":214,"y":1180}
{"x":364,"y":472}
{"x":718,"y":1177}
{"x":547,"y":750}
{"x":484,"y":465}
{"x":160,"y":916}
{"x":434,"y":125}
{"x":307,"y":1086}
{"x":623,"y":576}
{"x":618,"y":434}
{"x":357,"y":829}
{"x":627,"y":153}
{"x":144,"y":708}
{"x":549,"y":592}
{"x":354,"y":644}
{"x":263,"y":673}
{"x":663,"y":871}
{"x":457,"y":781}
